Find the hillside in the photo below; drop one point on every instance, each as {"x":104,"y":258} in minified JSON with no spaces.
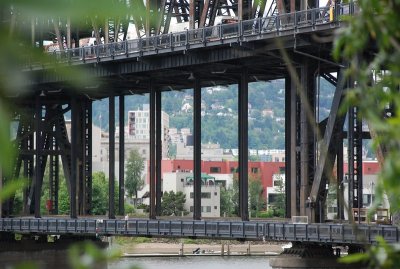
{"x":219,"y":112}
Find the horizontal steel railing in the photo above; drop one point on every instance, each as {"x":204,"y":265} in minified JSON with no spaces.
{"x":253,"y":230}
{"x":204,"y":36}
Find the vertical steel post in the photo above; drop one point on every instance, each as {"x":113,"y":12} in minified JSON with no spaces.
{"x":159,"y":146}
{"x":288,"y":147}
{"x":88,"y":158}
{"x":152,"y":213}
{"x":294,"y":152}
{"x":74,"y":157}
{"x":197,"y":149}
{"x":121,"y":192}
{"x":243,"y":146}
{"x":38,"y":158}
{"x":192,"y":17}
{"x":111,"y":158}
{"x":339,"y":171}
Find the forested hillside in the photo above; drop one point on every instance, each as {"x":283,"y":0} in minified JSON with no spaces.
{"x":219,"y":112}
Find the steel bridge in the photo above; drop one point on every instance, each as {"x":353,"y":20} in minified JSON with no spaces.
{"x":295,"y":46}
{"x":332,"y":234}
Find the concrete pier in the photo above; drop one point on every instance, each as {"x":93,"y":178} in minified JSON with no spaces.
{"x":308,"y":256}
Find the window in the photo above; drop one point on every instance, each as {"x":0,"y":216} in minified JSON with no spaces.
{"x":274,"y":197}
{"x":254,"y":170}
{"x":215,"y":169}
{"x":367,"y":199}
{"x":281,"y":170}
{"x":332,"y":209}
{"x":278,"y":183}
{"x":208,"y":209}
{"x":215,"y":207}
{"x":215,"y":193}
{"x":182,"y":180}
{"x":204,"y":195}
{"x":233,"y":169}
{"x":191,"y":209}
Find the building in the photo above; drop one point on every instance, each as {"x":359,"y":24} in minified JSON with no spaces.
{"x":210,"y":191}
{"x":209,"y":151}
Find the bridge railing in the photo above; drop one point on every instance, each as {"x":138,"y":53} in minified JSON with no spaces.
{"x":253,"y":230}
{"x":206,"y":36}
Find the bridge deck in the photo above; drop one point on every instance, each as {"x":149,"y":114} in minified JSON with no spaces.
{"x":253,"y":230}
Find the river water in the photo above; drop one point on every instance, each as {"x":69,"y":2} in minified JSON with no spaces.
{"x":193,"y":262}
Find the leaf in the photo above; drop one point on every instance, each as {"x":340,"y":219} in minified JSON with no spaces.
{"x":354,"y":258}
{"x":11,"y":187}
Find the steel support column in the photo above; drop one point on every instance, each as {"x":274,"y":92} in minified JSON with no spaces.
{"x":38,"y":152}
{"x":111,"y":157}
{"x":307,"y":137}
{"x":355,"y":159}
{"x":243,"y":146}
{"x":74,"y":157}
{"x":121,"y":192}
{"x":289,"y":156}
{"x":159,"y":146}
{"x":293,"y":131}
{"x":87,"y":206}
{"x":197,"y":149}
{"x":340,"y":172}
{"x":152,"y":213}
{"x":328,"y":151}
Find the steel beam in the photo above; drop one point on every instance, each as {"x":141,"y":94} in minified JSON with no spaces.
{"x":243,"y":146}
{"x":294,"y":134}
{"x":340,"y":173}
{"x":111,"y":157}
{"x":38,"y":172}
{"x":74,"y":157}
{"x":152,"y":213}
{"x":289,"y":156}
{"x":87,"y":159}
{"x":159,"y":146}
{"x":121,"y":192}
{"x":329,"y":144}
{"x":197,"y":149}
{"x":307,"y":135}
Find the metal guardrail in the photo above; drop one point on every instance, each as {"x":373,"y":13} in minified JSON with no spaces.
{"x":252,"y":230}
{"x":208,"y":36}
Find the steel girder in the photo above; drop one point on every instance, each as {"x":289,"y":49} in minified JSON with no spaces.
{"x":330,"y":147}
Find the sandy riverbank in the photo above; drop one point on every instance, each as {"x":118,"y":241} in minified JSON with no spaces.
{"x":212,"y":248}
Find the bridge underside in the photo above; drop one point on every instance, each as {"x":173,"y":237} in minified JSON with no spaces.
{"x":300,"y":56}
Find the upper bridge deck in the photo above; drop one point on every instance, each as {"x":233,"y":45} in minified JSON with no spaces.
{"x":216,"y":54}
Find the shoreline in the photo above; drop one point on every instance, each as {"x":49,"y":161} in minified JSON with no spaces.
{"x":160,"y":249}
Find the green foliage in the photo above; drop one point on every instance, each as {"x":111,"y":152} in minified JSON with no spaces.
{"x":100,"y":192}
{"x":278,"y":206}
{"x":173,"y":203}
{"x":11,"y":187}
{"x":257,"y":201}
{"x":87,"y":255}
{"x":134,"y":169}
{"x":377,"y":24}
{"x":379,"y":256}
{"x":229,"y":199}
{"x":129,"y":209}
{"x":377,"y":89}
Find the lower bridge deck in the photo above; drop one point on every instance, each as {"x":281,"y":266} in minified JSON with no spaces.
{"x":247,"y":230}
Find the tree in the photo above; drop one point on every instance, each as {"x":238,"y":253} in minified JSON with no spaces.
{"x":278,"y":205}
{"x":257,"y":201}
{"x":134,"y":169}
{"x":377,"y":96}
{"x":173,"y":203}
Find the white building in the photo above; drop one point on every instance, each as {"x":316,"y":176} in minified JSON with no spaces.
{"x":210,"y":192}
